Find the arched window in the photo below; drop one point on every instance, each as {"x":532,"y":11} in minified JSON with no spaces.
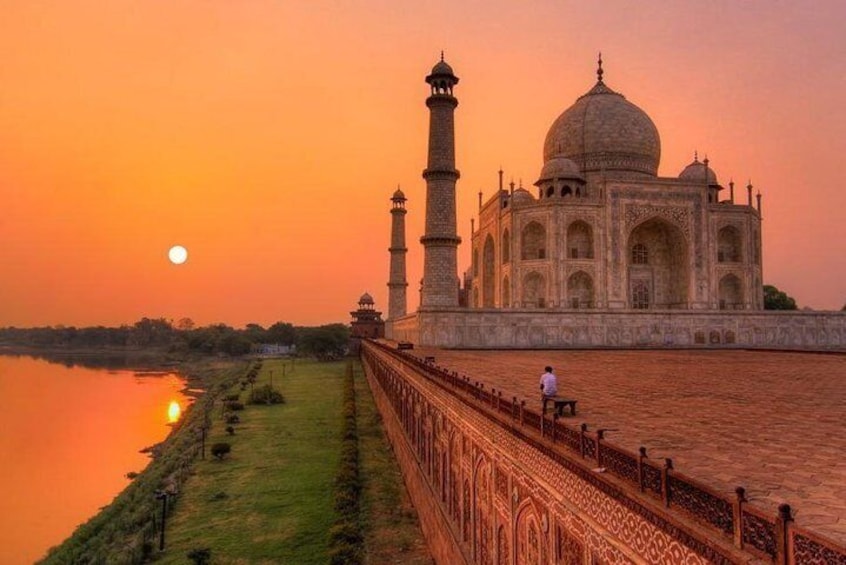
{"x":533,"y":245}
{"x":728,"y":245}
{"x":579,"y":240}
{"x":550,"y":191}
{"x":534,"y":291}
{"x":506,"y":246}
{"x":640,"y":255}
{"x":580,"y":290}
{"x":488,"y":277}
{"x":566,"y":191}
{"x":640,"y":295}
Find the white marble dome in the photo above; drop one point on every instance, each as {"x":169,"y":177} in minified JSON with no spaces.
{"x":603,"y":131}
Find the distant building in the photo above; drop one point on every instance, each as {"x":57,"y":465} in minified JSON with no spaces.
{"x":366,"y":322}
{"x":275,"y":349}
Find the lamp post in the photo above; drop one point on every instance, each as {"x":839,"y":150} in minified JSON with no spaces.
{"x":162,"y":495}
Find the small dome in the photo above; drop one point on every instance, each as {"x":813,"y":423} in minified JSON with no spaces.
{"x":700,"y":172}
{"x":442,"y":68}
{"x":398,"y":195}
{"x":559,"y":167}
{"x":523,"y":195}
{"x":365,"y":299}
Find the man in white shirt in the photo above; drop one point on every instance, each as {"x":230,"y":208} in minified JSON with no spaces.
{"x":548,"y":384}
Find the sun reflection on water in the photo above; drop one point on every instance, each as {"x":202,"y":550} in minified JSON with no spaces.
{"x":173,"y":412}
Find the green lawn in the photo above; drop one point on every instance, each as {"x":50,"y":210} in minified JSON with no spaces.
{"x":270,"y":500}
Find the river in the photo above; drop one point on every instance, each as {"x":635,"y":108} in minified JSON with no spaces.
{"x":68,"y":437}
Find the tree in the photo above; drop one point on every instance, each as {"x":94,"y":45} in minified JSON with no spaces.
{"x":775,"y":299}
{"x":325,"y":342}
{"x":282,"y":333}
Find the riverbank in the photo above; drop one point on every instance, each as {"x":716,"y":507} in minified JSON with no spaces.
{"x":124,"y":531}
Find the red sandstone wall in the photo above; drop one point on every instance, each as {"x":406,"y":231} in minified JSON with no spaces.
{"x":485,"y":495}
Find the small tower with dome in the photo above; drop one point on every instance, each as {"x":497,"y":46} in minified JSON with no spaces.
{"x":367,"y":321}
{"x":397,"y":283}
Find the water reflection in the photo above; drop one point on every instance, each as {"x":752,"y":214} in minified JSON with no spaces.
{"x":70,"y":436}
{"x":173,"y":412}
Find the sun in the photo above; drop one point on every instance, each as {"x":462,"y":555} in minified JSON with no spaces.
{"x":177,"y":254}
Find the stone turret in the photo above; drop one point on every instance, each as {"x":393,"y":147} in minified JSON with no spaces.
{"x":440,"y":240}
{"x":397,"y":283}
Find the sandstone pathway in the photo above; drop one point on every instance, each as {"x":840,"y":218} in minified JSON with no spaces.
{"x":773,"y":422}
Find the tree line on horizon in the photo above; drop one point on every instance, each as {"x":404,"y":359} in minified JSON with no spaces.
{"x":326,"y":341}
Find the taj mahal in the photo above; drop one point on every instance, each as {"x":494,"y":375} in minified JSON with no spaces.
{"x":603,"y":252}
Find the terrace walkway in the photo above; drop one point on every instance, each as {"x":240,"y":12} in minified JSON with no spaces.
{"x":773,"y":422}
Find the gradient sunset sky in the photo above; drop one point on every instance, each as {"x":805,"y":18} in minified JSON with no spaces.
{"x":267,"y":137}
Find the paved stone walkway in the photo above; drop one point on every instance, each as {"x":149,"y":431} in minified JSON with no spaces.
{"x":773,"y":422}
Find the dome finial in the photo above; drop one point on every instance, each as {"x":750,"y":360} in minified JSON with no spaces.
{"x":442,"y":54}
{"x":695,"y":156}
{"x":599,"y":70}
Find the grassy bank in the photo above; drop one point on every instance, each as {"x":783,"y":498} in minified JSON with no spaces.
{"x":270,"y":500}
{"x":391,"y":529}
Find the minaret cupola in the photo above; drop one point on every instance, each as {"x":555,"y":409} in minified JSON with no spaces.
{"x":442,"y":78}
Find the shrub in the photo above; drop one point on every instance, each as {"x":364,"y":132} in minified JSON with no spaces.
{"x":200,"y":556}
{"x":230,"y":430}
{"x":221,"y":450}
{"x":233,"y":419}
{"x":345,"y":532}
{"x":233,"y":405}
{"x":233,"y":397}
{"x":266,"y":395}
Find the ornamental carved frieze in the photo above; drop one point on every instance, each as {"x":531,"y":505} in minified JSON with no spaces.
{"x":677,"y":216}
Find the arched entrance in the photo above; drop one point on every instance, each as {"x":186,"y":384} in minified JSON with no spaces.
{"x":658,"y":266}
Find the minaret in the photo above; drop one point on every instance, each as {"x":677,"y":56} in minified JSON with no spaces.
{"x":440,"y":239}
{"x":396,"y":281}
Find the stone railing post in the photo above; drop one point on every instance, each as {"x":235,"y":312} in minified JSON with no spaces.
{"x":514,"y":407}
{"x":582,"y":439}
{"x":554,"y":425}
{"x":600,"y":435}
{"x":737,"y":516}
{"x":542,"y":423}
{"x":640,"y":457}
{"x":522,"y":408}
{"x":665,"y":480}
{"x":783,"y":520}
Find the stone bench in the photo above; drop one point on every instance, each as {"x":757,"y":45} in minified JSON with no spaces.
{"x":559,"y":403}
{"x":405,"y":345}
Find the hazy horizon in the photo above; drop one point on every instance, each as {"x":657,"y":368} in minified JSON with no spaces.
{"x":267,"y":138}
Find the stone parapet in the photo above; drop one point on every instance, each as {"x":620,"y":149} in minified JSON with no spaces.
{"x":560,"y":329}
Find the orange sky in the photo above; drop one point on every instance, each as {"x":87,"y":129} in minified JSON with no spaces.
{"x":267,"y":136}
